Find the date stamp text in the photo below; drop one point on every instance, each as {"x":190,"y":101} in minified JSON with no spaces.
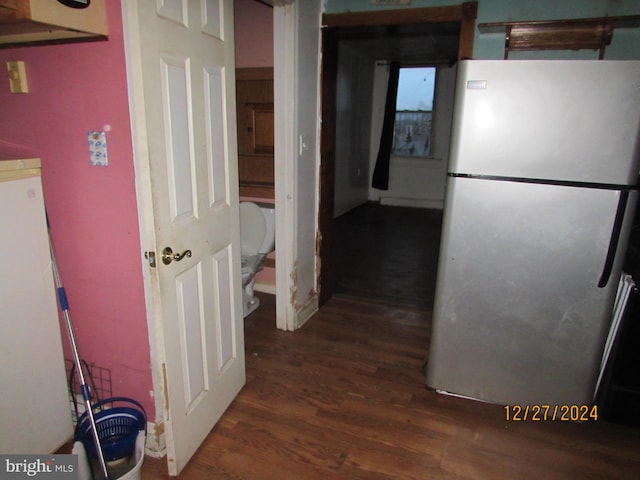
{"x":552,"y":413}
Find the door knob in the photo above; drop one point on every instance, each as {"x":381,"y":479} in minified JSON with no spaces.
{"x":168,"y":256}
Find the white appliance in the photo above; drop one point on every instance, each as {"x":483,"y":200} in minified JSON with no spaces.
{"x":257,"y":240}
{"x":540,"y":196}
{"x":35,"y":413}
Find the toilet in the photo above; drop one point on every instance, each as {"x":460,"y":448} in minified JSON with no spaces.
{"x":257,"y":240}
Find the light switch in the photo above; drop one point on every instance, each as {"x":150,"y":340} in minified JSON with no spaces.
{"x":17,"y":77}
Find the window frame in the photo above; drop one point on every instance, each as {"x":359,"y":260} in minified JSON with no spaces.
{"x":429,"y":153}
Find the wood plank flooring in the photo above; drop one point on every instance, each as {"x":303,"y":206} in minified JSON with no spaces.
{"x":388,"y":253}
{"x":344,"y":398}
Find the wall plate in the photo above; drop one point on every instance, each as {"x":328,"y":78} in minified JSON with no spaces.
{"x":98,"y":149}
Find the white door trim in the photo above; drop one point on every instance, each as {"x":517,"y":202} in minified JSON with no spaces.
{"x":285,"y":140}
{"x":155,"y":443}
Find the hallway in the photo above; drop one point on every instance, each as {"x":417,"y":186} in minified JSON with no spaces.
{"x":388,"y":253}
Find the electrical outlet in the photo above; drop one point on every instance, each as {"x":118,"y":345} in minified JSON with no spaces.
{"x":98,"y":148}
{"x":17,"y":77}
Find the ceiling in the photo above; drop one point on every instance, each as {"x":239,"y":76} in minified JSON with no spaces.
{"x":408,"y":44}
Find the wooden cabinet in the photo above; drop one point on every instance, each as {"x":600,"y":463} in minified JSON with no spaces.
{"x":254,"y":97}
{"x":569,"y":34}
{"x":260,"y":128}
{"x":31,"y":22}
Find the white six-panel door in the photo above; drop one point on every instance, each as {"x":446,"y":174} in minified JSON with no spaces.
{"x":182,"y":83}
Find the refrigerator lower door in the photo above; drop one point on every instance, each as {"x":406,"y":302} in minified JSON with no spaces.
{"x":518,"y":316}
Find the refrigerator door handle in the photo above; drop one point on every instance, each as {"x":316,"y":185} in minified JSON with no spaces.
{"x":615,"y":238}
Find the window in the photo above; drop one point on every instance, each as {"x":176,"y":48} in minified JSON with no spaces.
{"x":414,"y":110}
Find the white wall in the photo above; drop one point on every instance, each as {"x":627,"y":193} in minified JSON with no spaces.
{"x":308,"y":106}
{"x":353,"y":110}
{"x":296,"y":103}
{"x":415,"y":182}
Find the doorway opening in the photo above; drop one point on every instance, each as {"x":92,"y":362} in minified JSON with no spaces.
{"x":351,"y":44}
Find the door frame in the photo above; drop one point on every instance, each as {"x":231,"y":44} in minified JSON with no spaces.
{"x":465,"y":13}
{"x":155,"y":441}
{"x":284,"y":68}
{"x":296,"y":147}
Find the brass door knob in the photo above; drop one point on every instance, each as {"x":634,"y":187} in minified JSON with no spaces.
{"x":168,"y":256}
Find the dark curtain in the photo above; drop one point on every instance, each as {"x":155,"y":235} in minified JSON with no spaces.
{"x":381,"y":170}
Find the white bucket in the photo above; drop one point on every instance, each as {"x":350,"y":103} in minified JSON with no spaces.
{"x":123,"y":469}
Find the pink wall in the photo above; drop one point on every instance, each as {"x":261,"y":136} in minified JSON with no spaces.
{"x":253,"y":34}
{"x":75,"y":88}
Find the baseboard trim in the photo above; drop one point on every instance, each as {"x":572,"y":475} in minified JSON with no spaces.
{"x":412,"y":202}
{"x":265,"y":288}
{"x":306,"y":311}
{"x":154,"y":445}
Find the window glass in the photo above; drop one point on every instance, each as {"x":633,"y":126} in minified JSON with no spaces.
{"x":414,"y":109}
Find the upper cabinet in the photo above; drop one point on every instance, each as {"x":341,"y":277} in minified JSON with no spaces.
{"x":254,"y":97}
{"x":31,"y":22}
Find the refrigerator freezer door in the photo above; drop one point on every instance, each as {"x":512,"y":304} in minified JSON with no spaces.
{"x":518,"y":317}
{"x":574,"y":121}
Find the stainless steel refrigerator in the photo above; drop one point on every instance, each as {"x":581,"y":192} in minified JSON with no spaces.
{"x":541,"y":192}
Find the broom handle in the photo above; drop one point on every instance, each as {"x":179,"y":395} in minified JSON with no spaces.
{"x":64,"y":305}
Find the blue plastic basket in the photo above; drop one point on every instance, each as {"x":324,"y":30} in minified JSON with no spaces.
{"x":117,"y":428}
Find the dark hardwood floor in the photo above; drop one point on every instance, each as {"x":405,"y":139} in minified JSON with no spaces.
{"x":344,"y":398}
{"x":388,"y":253}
